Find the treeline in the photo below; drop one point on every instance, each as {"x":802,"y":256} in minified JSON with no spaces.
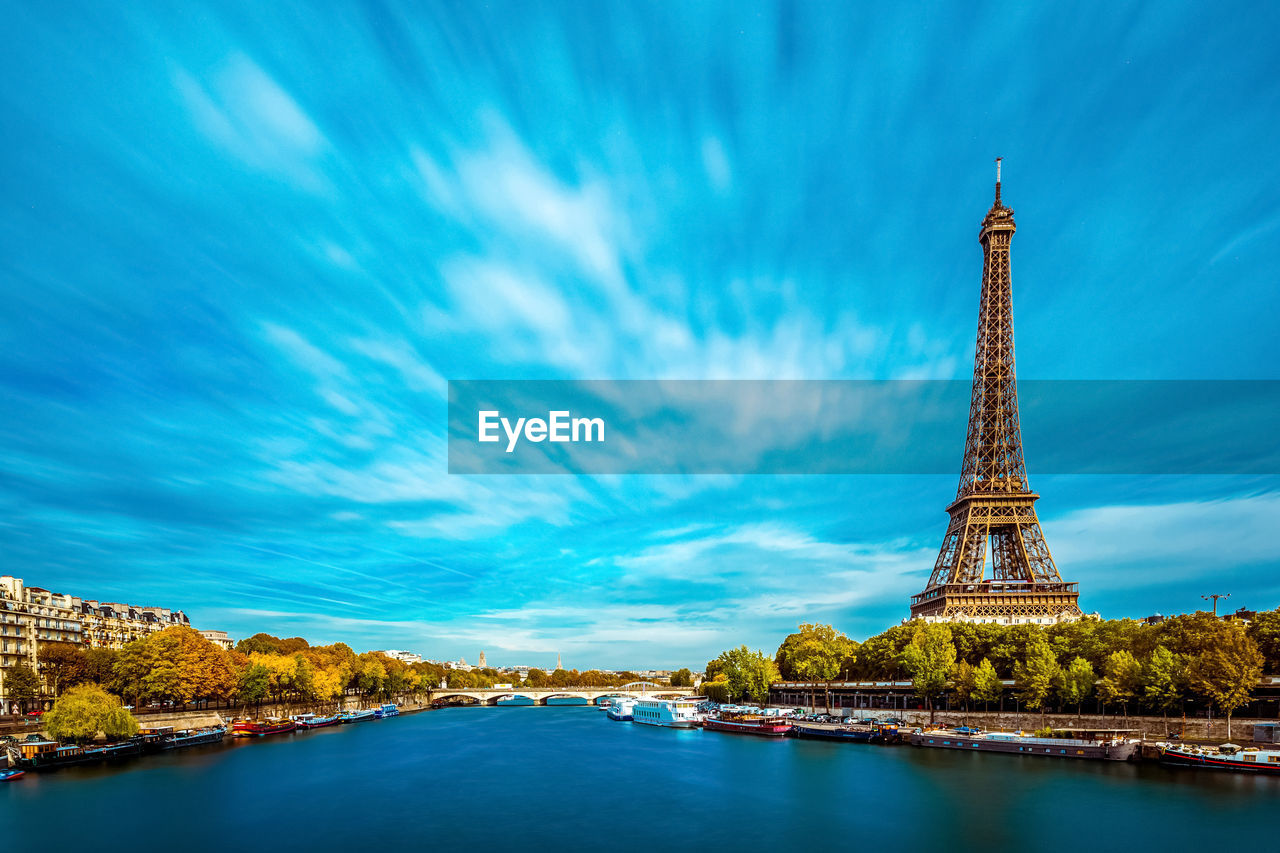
{"x":1120,"y":664}
{"x":179,"y":666}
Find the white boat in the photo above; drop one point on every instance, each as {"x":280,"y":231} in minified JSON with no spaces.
{"x":621,"y":709}
{"x":669,"y":713}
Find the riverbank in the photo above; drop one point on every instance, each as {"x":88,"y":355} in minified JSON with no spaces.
{"x":1149,"y":728}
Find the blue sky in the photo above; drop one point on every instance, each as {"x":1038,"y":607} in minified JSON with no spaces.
{"x":247,"y":244}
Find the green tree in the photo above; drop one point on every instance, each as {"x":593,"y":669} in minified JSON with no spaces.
{"x":254,"y":684}
{"x":1036,"y":674}
{"x":1076,"y":683}
{"x":817,"y":653}
{"x":1228,"y":671}
{"x":747,"y":674}
{"x":682,"y":678}
{"x":1265,"y":631}
{"x":963,"y":682}
{"x":1161,"y":681}
{"x":536,"y":678}
{"x":80,"y":713}
{"x":22,"y":685}
{"x":1121,"y":680}
{"x":929,"y":658}
{"x":987,"y":686}
{"x":99,"y":666}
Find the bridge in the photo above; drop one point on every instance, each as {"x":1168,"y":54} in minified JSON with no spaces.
{"x":539,"y":696}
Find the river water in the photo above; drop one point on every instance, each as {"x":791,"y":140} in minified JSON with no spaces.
{"x":569,"y":778}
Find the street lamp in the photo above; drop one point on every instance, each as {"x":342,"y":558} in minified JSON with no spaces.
{"x":1215,"y":598}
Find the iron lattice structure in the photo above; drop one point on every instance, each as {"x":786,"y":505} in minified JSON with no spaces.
{"x":994,"y":503}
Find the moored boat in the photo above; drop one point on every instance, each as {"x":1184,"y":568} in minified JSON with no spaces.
{"x":36,"y":753}
{"x":1108,"y":744}
{"x":197,"y":737}
{"x":10,"y":775}
{"x":312,"y":721}
{"x":260,"y":728}
{"x":1228,"y":756}
{"x":357,"y":716}
{"x":668,"y":713}
{"x":853,"y":732}
{"x":748,"y":722}
{"x":620,"y":709}
{"x":390,"y":709}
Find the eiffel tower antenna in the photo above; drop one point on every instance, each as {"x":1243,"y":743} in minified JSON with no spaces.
{"x":994,"y":503}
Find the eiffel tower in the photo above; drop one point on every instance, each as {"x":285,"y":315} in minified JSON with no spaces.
{"x":994,"y":501}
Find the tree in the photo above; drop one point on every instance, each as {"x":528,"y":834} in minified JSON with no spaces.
{"x":1228,"y":671}
{"x":536,"y":678}
{"x":61,"y":664}
{"x":1077,"y":682}
{"x":22,"y":685}
{"x":747,"y":674}
{"x":254,"y":684}
{"x":1120,"y":683}
{"x":82,"y":712}
{"x":1161,"y":682}
{"x":987,"y":686}
{"x":929,"y":658}
{"x":817,"y":653}
{"x":962,"y":681}
{"x":99,"y":665}
{"x":1037,"y":673}
{"x":682,"y":678}
{"x":1265,"y":631}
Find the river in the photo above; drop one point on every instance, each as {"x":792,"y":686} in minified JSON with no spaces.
{"x":566,"y":778}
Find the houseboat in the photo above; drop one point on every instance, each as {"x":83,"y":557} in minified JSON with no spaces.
{"x":203,"y":736}
{"x":260,"y":728}
{"x":854,"y":731}
{"x":1228,"y":756}
{"x":669,"y":713}
{"x":621,"y":709}
{"x":391,"y":709}
{"x":312,"y":721}
{"x":36,"y":753}
{"x":1108,"y":744}
{"x":357,"y":716}
{"x":748,"y":722}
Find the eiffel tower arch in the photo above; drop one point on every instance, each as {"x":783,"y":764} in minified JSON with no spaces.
{"x":994,"y":505}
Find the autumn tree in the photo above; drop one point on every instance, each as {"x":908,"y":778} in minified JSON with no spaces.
{"x":62,"y":665}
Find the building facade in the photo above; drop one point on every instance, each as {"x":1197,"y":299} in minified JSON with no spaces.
{"x":31,"y":617}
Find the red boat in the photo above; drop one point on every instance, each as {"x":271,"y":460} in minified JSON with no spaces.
{"x":748,"y":724}
{"x":10,"y":775}
{"x":258,"y":728}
